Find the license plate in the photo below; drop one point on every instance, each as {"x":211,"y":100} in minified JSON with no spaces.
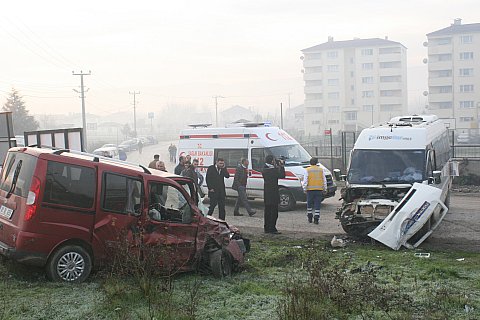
{"x":6,"y":212}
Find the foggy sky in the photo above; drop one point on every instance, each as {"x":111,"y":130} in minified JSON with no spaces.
{"x":185,"y":52}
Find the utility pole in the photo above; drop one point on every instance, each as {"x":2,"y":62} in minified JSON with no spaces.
{"x":281,"y":115}
{"x":216,"y":109}
{"x":134,"y":112}
{"x":82,"y":96}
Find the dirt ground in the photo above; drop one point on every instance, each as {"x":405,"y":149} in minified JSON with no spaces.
{"x":460,"y":230}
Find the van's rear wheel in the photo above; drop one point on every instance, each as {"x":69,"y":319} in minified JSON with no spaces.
{"x":287,"y":200}
{"x":70,"y":263}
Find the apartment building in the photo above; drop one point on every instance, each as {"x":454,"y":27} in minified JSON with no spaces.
{"x":454,"y":74}
{"x":350,"y":85}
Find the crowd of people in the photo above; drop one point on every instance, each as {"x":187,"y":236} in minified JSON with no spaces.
{"x":314,"y":185}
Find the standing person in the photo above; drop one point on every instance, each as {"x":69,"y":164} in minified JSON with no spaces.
{"x":216,"y":173}
{"x":170,"y":152}
{"x":140,"y":146}
{"x":240,"y":185}
{"x":153,"y":163}
{"x":180,"y":166}
{"x":160,"y":165}
{"x":273,"y":170}
{"x":314,"y":184}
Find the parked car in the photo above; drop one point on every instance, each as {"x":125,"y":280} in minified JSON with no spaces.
{"x":109,"y":145}
{"x":109,"y":152}
{"x":129,"y":145}
{"x":66,"y":211}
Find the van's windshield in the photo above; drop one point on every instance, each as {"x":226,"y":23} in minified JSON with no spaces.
{"x":293,"y":154}
{"x":386,"y":166}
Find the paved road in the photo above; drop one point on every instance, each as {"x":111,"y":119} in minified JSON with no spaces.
{"x":460,"y":230}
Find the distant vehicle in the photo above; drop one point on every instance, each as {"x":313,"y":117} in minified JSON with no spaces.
{"x":129,"y":145}
{"x":108,"y":152}
{"x":66,"y":211}
{"x":108,"y":145}
{"x":463,"y":138}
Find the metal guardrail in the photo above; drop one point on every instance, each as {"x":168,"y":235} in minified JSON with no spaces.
{"x":469,"y":151}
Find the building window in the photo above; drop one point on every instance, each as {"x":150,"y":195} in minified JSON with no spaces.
{"x":333,"y":82}
{"x":391,"y":79}
{"x":332,"y":54}
{"x":367,"y":52}
{"x":316,"y":109}
{"x":466,"y":104}
{"x":389,"y":50}
{"x":466,"y":119}
{"x":367,"y":79}
{"x":367,"y":94}
{"x":466,"y":39}
{"x":466,"y":72}
{"x":466,"y":55}
{"x":332,"y":68}
{"x":333,"y":95}
{"x":313,"y":96}
{"x":443,"y":41}
{"x":352,"y":102}
{"x":444,"y":89}
{"x":390,"y":64}
{"x":333,"y":121}
{"x":466,"y":88}
{"x":390,"y":107}
{"x":390,"y":93}
{"x":445,"y":57}
{"x":313,"y":69}
{"x":367,"y":66}
{"x":334,"y":109}
{"x":445,"y":105}
{"x":350,"y":115}
{"x":351,"y":61}
{"x":367,"y":107}
{"x":352,"y":87}
{"x":313,"y":83}
{"x":444,"y":73}
{"x":313,"y":56}
{"x":352,"y":74}
{"x":316,"y":122}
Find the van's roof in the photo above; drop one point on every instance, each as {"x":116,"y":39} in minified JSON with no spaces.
{"x":407,"y":132}
{"x":269,"y":136}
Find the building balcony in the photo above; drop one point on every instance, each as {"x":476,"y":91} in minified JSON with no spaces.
{"x":440,"y":49}
{"x":313,"y":104}
{"x":439,"y":65}
{"x":390,"y":71}
{"x":440,"y":97}
{"x":313,"y":89}
{"x":312,"y":63}
{"x":440,"y":81}
{"x":312,"y":76}
{"x":390,"y":57}
{"x":390,"y":86}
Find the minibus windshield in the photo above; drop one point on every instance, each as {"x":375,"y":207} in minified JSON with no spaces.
{"x":293,"y":154}
{"x":386,"y":166}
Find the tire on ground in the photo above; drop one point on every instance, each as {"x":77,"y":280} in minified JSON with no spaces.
{"x":221,"y":263}
{"x":70,"y":263}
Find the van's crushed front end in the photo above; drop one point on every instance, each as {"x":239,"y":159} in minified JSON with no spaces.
{"x":365,"y":206}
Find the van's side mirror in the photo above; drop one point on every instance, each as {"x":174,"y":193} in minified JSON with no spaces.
{"x":437,"y":177}
{"x":337,"y":174}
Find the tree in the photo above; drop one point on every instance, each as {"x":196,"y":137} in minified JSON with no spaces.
{"x":22,"y":121}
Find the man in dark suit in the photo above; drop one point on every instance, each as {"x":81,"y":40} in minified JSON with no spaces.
{"x":216,"y":173}
{"x":273,"y":170}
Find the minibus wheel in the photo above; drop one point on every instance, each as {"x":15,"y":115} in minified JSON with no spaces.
{"x":70,"y":263}
{"x":287,"y":200}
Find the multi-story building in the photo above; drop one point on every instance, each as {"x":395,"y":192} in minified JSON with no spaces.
{"x":350,"y":85}
{"x":454,"y":74}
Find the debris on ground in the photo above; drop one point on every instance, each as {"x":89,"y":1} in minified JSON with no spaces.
{"x":337,"y":242}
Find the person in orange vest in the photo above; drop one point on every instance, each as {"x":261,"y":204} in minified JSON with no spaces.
{"x":314,"y":185}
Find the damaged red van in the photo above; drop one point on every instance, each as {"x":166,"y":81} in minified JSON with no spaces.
{"x":66,"y":211}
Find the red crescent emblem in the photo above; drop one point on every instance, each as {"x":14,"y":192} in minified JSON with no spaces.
{"x":267,"y":135}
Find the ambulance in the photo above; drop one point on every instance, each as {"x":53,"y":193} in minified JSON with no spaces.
{"x":253,"y":141}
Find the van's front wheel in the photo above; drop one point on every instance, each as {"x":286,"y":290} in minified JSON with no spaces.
{"x":70,"y":263}
{"x":287,"y":200}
